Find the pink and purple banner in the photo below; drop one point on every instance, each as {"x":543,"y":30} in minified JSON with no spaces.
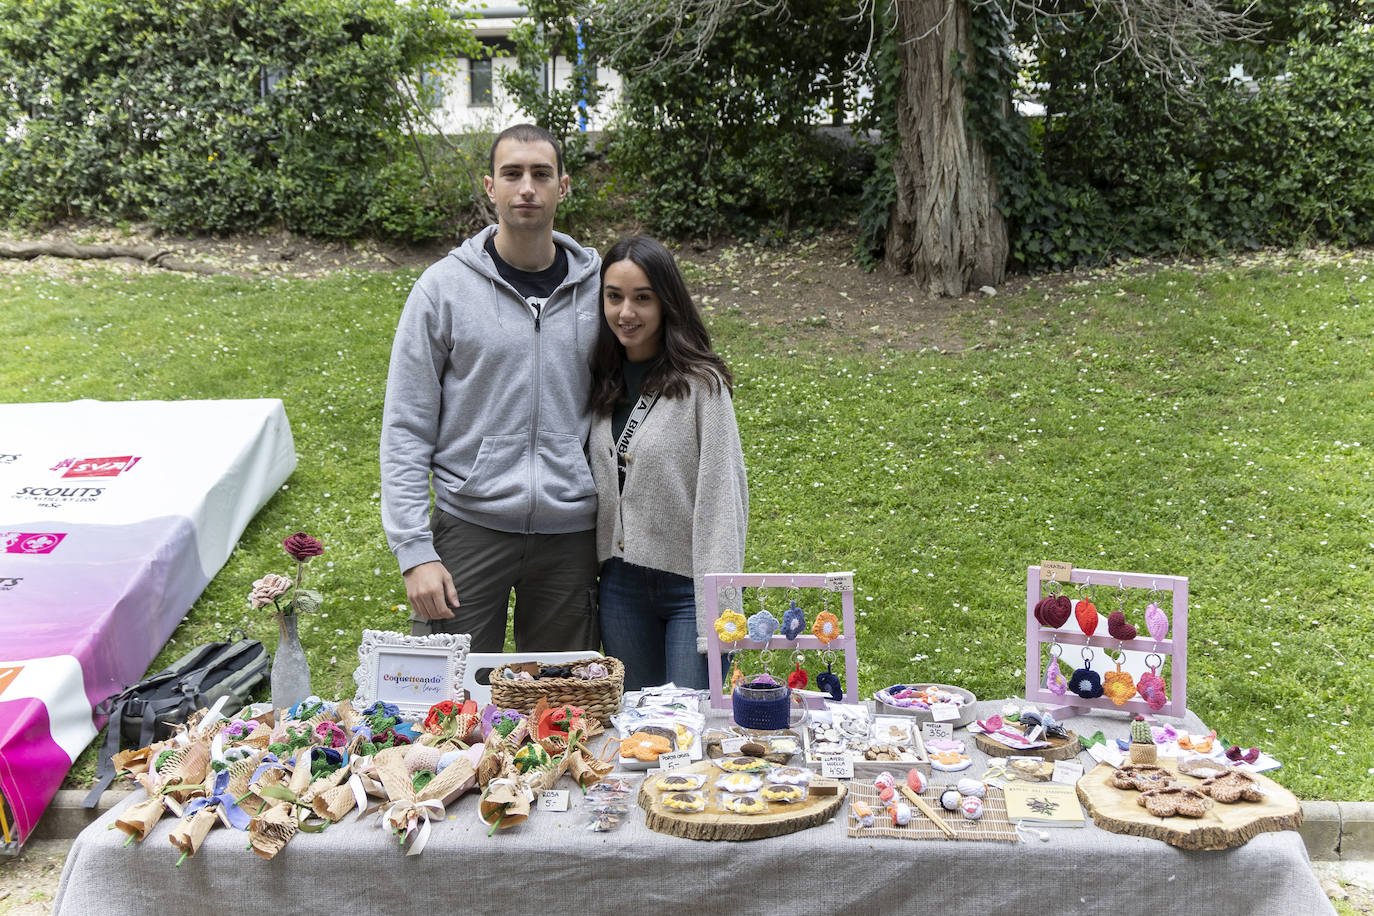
{"x":113,"y":518}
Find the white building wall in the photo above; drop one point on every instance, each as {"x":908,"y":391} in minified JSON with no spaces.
{"x":457,"y":114}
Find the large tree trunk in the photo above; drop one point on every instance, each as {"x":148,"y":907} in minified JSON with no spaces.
{"x":943,"y":229}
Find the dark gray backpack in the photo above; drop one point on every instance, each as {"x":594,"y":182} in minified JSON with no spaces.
{"x":147,"y":711}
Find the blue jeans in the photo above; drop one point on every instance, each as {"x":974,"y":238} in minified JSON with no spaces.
{"x":649,"y":622}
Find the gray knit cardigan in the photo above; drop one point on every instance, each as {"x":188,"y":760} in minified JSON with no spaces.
{"x":685,"y":506}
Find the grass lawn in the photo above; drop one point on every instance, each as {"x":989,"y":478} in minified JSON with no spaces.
{"x":1211,"y":421}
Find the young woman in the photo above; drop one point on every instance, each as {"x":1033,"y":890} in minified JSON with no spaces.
{"x":669,"y":469}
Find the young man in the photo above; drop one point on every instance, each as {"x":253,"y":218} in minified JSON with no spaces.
{"x":486,"y":400}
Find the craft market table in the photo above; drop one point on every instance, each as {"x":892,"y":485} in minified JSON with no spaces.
{"x":553,"y":863}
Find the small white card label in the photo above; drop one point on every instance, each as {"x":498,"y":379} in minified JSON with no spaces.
{"x":944,"y":712}
{"x":731,"y":745}
{"x":553,"y":800}
{"x":1067,"y":771}
{"x":674,"y":760}
{"x":936,"y":731}
{"x":839,"y":582}
{"x":1103,"y":754}
{"x":837,"y":766}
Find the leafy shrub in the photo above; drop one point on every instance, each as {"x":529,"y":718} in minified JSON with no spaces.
{"x":207,"y":115}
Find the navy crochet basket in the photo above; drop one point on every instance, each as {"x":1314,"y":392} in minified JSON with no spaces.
{"x":763,"y":705}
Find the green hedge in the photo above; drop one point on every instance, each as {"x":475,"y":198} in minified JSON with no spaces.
{"x":210,"y":115}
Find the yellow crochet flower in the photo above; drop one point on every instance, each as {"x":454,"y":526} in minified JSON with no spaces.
{"x":826,"y":627}
{"x":730,"y":626}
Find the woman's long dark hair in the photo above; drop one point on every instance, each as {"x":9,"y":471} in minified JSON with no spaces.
{"x":686,"y":352}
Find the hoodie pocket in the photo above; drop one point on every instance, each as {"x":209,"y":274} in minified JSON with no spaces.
{"x":500,"y":476}
{"x":563,"y":472}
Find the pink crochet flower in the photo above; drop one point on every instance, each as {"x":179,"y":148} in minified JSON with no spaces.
{"x":267,"y":589}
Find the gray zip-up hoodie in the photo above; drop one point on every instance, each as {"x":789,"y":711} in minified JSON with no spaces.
{"x":491,"y":401}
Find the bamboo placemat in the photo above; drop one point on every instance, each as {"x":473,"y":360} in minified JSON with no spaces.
{"x":992,"y":827}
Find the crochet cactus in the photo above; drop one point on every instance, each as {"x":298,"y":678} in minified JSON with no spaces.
{"x":1140,"y":731}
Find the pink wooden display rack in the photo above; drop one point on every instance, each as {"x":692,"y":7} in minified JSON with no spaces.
{"x":846,"y":642}
{"x":1173,"y":647}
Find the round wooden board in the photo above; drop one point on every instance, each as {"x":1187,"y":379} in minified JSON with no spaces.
{"x":1221,"y":827}
{"x":1059,"y":748}
{"x":717,"y":824}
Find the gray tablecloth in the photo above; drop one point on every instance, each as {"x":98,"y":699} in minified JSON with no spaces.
{"x":551,"y":863}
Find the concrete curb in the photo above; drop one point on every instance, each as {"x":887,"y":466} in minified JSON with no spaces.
{"x":1332,"y":831}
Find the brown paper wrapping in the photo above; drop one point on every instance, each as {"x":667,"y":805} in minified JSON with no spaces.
{"x":138,"y":820}
{"x":269,"y":832}
{"x":333,"y":804}
{"x":504,"y":799}
{"x":191,"y":831}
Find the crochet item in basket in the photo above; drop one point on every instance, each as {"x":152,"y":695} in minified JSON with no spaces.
{"x":599,"y":698}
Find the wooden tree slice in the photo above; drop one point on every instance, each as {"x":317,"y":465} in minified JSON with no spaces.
{"x":1221,"y":827}
{"x":1059,"y":748}
{"x":715,"y":823}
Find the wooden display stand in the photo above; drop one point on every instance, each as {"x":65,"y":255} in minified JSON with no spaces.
{"x":846,"y":642}
{"x":716,"y":823}
{"x":1173,"y":647}
{"x":1221,"y":827}
{"x":1058,"y":749}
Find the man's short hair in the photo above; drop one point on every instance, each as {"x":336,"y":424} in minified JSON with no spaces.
{"x":525,"y":133}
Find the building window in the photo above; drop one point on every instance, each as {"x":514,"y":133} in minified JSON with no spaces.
{"x":479,"y":82}
{"x":432,"y":86}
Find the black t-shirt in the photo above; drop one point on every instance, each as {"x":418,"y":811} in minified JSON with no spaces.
{"x":535,"y":286}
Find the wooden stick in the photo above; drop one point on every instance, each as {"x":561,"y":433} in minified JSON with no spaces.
{"x":928,"y":811}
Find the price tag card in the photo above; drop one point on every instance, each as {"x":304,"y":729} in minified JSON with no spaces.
{"x":837,"y":766}
{"x":1067,"y":772}
{"x":731,"y":746}
{"x":1053,"y":569}
{"x":839,"y":582}
{"x":674,"y":760}
{"x":944,"y":712}
{"x":936,"y":731}
{"x":553,"y":800}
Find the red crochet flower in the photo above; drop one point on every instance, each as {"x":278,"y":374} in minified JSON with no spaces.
{"x":439,"y":714}
{"x":302,"y":547}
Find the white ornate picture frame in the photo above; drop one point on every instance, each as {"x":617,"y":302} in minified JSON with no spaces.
{"x":413,"y":672}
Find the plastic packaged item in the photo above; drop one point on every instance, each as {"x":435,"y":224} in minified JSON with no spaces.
{"x":687,"y":802}
{"x":680,"y":782}
{"x":783,"y":793}
{"x":739,"y":782}
{"x":743,"y":803}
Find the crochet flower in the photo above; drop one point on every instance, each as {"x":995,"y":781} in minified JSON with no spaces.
{"x":731,"y":626}
{"x":237,"y":730}
{"x":826,"y":627}
{"x":593,"y":671}
{"x":793,"y":621}
{"x":761,"y":626}
{"x":1087,"y":683}
{"x":302,"y":547}
{"x":440,"y":714}
{"x":267,"y":590}
{"x":331,"y":734}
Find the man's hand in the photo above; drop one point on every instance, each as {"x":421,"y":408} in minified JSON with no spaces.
{"x":431,"y":591}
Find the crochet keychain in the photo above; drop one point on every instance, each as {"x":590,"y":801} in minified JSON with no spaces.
{"x":762,"y":625}
{"x":1054,"y":609}
{"x":1085,"y":611}
{"x":797,"y":678}
{"x":1118,"y":686}
{"x":828,"y":681}
{"x":1054,"y":675}
{"x":1086,"y":682}
{"x":1117,"y":627}
{"x":793,"y":619}
{"x":827,"y":625}
{"x":731,"y":625}
{"x":1151,"y":685}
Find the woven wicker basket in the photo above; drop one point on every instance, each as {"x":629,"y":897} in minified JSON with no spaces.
{"x":600,"y":698}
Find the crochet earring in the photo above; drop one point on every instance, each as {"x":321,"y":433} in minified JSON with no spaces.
{"x":1084,"y":681}
{"x":1151,"y":685}
{"x":828,"y":681}
{"x":1054,"y":675}
{"x":1118,"y":686}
